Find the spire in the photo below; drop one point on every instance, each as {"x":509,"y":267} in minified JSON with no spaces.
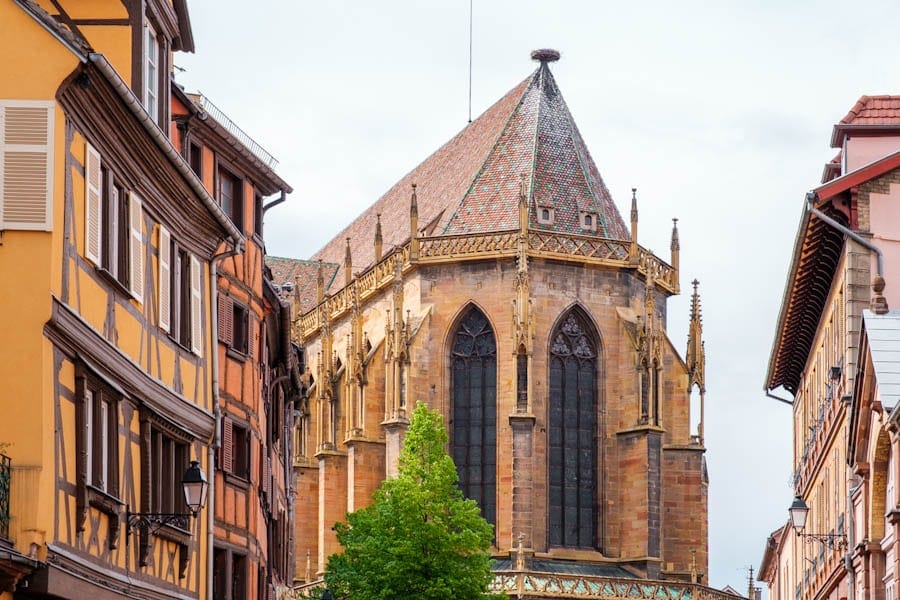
{"x":695,"y":357}
{"x":320,"y":283}
{"x":523,"y":203}
{"x":633,"y":252}
{"x":675,"y":247}
{"x":348,"y":264}
{"x":378,"y":238}
{"x":413,"y":225}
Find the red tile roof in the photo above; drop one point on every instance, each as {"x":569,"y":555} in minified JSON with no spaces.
{"x":471,"y":184}
{"x":296,"y":279}
{"x":874,"y":110}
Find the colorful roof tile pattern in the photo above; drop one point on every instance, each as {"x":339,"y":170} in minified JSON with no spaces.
{"x":295,"y":279}
{"x":874,"y":110}
{"x":472,"y":183}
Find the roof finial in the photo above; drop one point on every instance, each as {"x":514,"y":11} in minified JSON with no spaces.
{"x":413,"y":225}
{"x":378,"y":238}
{"x":348,"y":264}
{"x":633,"y":252}
{"x":545,"y":55}
{"x":676,"y":251}
{"x":879,"y":303}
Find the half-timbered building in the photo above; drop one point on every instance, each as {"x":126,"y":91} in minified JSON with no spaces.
{"x":257,"y":365}
{"x":108,"y":245}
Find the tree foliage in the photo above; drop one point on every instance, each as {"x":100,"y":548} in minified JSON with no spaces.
{"x":420,"y":538}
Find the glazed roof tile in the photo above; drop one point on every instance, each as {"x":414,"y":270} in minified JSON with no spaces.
{"x":471,"y":184}
{"x":296,"y":279}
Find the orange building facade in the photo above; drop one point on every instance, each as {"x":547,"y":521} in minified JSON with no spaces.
{"x":256,"y":364}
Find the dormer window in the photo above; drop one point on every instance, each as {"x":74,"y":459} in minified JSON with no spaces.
{"x":151,"y":72}
{"x":545,"y":215}
{"x":589,"y":221}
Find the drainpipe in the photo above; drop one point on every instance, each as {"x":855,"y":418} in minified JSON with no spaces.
{"x":811,"y":197}
{"x":851,"y":534}
{"x":213,"y":448}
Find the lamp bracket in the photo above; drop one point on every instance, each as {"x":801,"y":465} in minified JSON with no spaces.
{"x":153,"y":522}
{"x":836,"y":539}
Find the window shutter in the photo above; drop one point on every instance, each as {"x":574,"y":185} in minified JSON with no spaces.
{"x":269,"y":479}
{"x":165,"y":279}
{"x":253,"y":330}
{"x":136,"y":248}
{"x":226,"y":319}
{"x":92,"y":202}
{"x":26,"y":165}
{"x":196,"y":312}
{"x":227,"y":445}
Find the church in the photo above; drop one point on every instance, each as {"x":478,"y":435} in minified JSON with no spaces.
{"x":498,"y":283}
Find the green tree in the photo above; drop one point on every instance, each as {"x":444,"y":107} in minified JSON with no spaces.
{"x":420,"y":538}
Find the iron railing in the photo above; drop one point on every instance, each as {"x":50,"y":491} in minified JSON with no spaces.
{"x":5,"y":474}
{"x":232,"y":128}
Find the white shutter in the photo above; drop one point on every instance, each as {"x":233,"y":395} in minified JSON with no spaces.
{"x":92,"y":204}
{"x":104,"y":445}
{"x":88,"y":435}
{"x":165,"y":279}
{"x":136,"y":248}
{"x":26,"y":165}
{"x":196,"y":308}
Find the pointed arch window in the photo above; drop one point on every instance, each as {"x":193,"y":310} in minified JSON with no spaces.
{"x":474,"y":395}
{"x":574,"y":368}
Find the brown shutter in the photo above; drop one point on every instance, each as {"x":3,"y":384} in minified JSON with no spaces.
{"x":26,"y":165}
{"x":253,"y":330}
{"x":269,"y":478}
{"x":226,"y":319}
{"x":227,"y":445}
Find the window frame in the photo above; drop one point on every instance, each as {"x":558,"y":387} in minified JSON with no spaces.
{"x":235,"y":209}
{"x":150,"y":67}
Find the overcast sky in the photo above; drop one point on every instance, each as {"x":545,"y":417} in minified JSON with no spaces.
{"x":720,"y":113}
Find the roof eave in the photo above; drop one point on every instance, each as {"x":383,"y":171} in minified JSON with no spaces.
{"x":854,"y":178}
{"x":163,"y":142}
{"x":779,"y":340}
{"x":840,"y":129}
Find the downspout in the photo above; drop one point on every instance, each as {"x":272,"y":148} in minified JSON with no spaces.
{"x":214,"y":447}
{"x":848,"y":557}
{"x":811,"y":197}
{"x":275,"y":202}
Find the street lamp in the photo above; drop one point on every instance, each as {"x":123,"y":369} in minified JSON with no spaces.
{"x":195,"y":488}
{"x":798,"y":512}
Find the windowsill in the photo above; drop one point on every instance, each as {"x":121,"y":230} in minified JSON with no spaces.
{"x":237,"y":481}
{"x":236,"y":354}
{"x":114,"y":281}
{"x":175,"y":534}
{"x":103,"y":501}
{"x":178,"y":343}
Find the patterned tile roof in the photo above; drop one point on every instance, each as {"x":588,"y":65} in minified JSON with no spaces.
{"x":471,"y":184}
{"x":874,"y":110}
{"x":295,"y":279}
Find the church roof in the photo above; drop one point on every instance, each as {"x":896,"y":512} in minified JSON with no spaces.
{"x":295,"y":279}
{"x":471,"y":184}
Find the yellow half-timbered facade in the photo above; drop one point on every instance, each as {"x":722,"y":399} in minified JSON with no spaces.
{"x":107,"y":304}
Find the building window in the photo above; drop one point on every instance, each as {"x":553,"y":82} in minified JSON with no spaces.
{"x":238,"y":576}
{"x":168,"y":461}
{"x":235,"y":449}
{"x":195,"y":159}
{"x":151,"y":72}
{"x":234,"y":325}
{"x":258,"y":215}
{"x":572,"y":433}
{"x":99,"y":439}
{"x":113,"y":222}
{"x":474,"y":413}
{"x":589,"y":221}
{"x":230,"y":197}
{"x":229,"y":575}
